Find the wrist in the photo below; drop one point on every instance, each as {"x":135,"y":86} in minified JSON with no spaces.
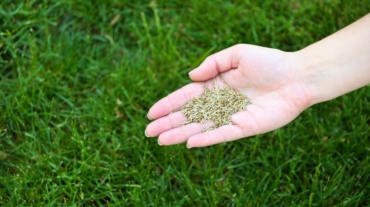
{"x":307,"y":66}
{"x":304,"y":71}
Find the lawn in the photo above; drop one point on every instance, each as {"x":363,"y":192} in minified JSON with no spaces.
{"x":78,"y":77}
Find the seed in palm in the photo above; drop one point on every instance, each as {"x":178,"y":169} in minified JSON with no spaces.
{"x":216,"y":105}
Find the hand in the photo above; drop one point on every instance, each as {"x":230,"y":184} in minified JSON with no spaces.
{"x":270,"y":78}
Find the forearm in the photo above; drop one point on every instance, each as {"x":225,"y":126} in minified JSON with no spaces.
{"x":337,"y":64}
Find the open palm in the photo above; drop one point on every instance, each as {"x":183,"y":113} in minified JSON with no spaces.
{"x":268,"y":77}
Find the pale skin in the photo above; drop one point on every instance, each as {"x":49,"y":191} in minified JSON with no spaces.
{"x":280,"y":85}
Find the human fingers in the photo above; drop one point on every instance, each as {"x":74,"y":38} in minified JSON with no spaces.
{"x":165,"y":123}
{"x":217,"y":63}
{"x":175,"y":100}
{"x":181,"y":134}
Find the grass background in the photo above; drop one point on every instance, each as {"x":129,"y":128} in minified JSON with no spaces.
{"x":78,"y":77}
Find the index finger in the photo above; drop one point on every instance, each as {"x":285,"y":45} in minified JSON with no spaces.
{"x":175,"y":100}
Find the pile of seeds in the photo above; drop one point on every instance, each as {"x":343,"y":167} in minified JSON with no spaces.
{"x":216,"y":105}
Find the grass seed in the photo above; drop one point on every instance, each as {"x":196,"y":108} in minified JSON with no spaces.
{"x":216,"y":105}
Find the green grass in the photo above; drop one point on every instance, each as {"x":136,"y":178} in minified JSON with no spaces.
{"x":78,"y":77}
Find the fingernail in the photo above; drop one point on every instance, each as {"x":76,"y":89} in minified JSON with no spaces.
{"x":148,"y":117}
{"x":191,"y":71}
{"x":187,"y":146}
{"x":146,"y":134}
{"x":159,"y":142}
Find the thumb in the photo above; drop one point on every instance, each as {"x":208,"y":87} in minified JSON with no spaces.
{"x":217,"y":63}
